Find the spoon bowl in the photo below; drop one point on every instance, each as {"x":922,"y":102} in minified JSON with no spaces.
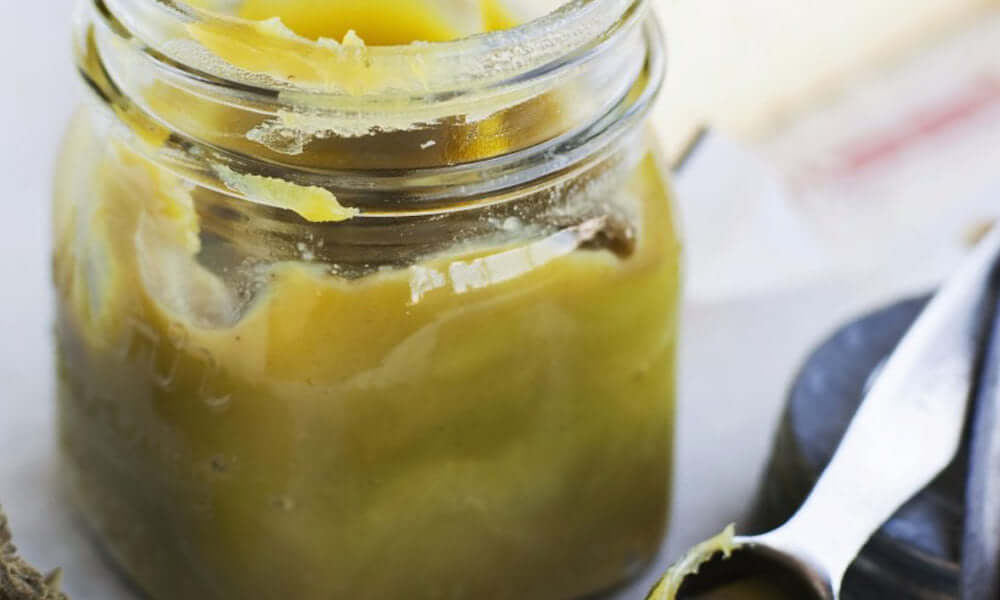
{"x":755,"y":571}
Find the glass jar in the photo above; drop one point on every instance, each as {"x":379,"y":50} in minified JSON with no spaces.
{"x":338,"y":320}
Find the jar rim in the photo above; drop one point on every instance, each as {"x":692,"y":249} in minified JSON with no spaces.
{"x":623,"y":64}
{"x":551,"y":42}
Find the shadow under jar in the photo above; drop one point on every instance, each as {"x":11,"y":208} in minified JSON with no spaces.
{"x":346,"y":320}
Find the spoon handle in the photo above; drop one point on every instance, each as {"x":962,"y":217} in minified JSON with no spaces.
{"x":908,"y":428}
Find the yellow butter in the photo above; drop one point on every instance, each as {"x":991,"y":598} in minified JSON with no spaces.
{"x":312,"y":203}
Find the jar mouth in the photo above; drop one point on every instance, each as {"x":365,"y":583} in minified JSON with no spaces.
{"x":524,"y":105}
{"x":497,"y":58}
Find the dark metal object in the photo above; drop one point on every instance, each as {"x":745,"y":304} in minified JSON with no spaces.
{"x":980,"y":574}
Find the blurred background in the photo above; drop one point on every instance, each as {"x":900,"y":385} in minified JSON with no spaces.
{"x":853,"y":156}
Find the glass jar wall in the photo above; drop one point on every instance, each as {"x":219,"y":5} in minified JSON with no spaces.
{"x":346,"y":320}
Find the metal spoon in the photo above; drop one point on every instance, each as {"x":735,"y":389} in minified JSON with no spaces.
{"x":906,"y":431}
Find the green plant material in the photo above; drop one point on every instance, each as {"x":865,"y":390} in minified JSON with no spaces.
{"x":19,"y":580}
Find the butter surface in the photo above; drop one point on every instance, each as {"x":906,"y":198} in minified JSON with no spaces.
{"x":333,"y":20}
{"x":305,"y":41}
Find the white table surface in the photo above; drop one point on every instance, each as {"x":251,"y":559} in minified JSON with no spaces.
{"x":737,"y":357}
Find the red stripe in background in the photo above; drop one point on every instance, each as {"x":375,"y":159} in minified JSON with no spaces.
{"x":927,"y":123}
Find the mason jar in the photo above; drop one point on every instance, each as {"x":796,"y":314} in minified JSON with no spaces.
{"x":373,"y":306}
